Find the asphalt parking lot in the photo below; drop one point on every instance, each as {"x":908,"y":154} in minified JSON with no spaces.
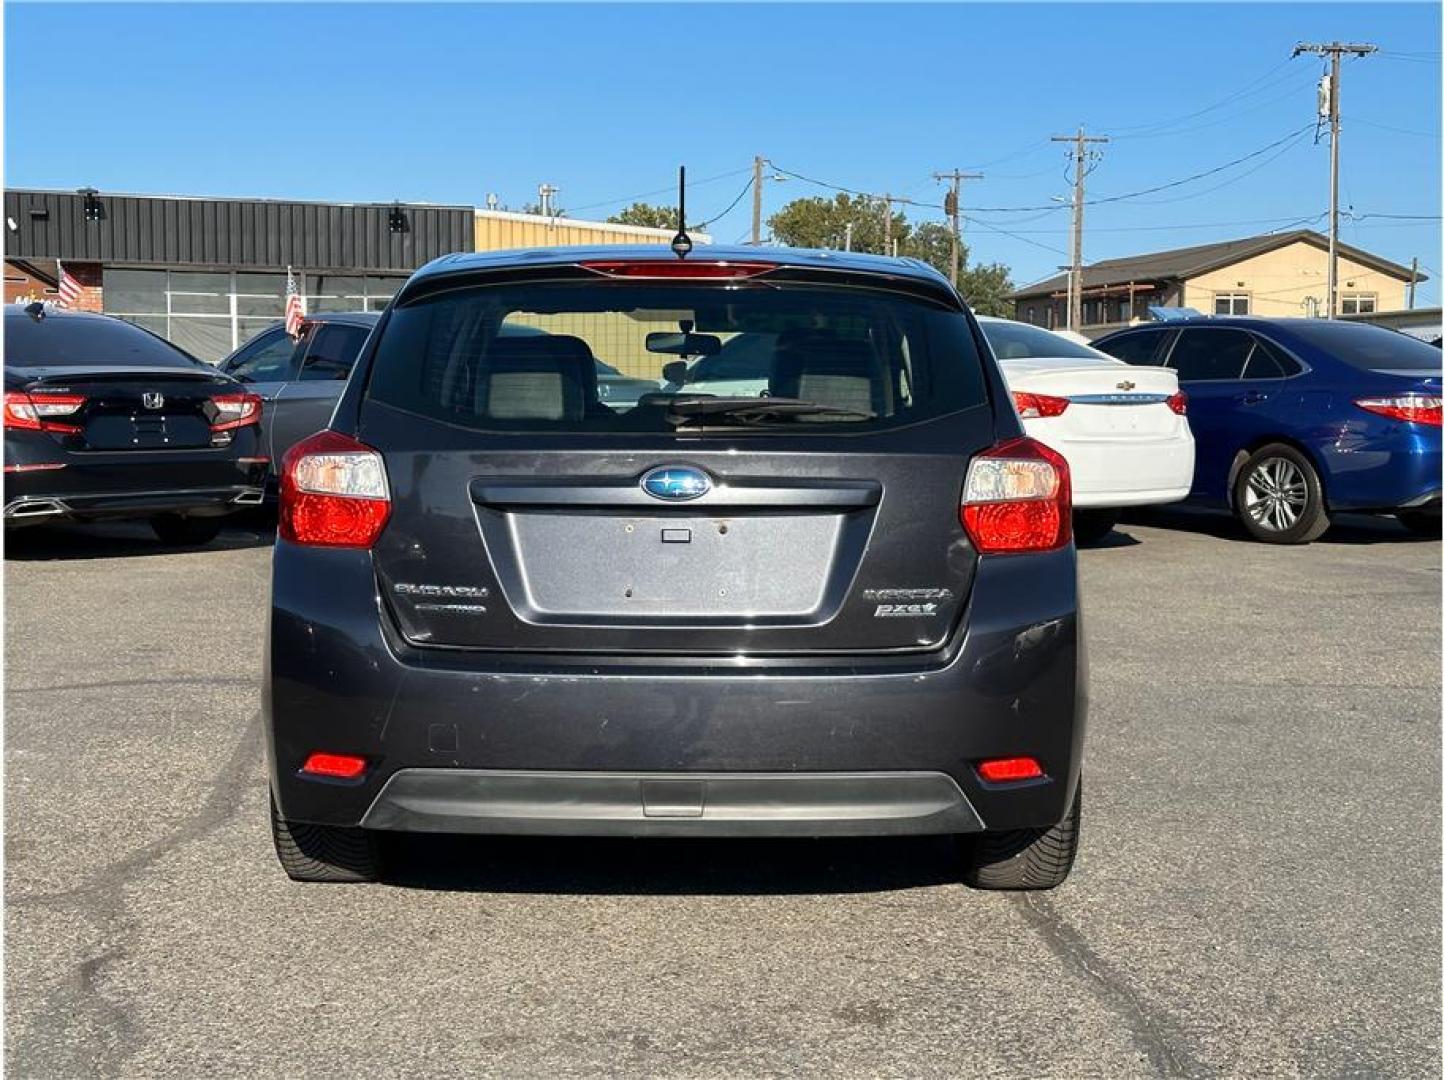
{"x":1258,"y":891}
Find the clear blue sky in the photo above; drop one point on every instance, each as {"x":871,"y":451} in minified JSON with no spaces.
{"x":446,"y":103}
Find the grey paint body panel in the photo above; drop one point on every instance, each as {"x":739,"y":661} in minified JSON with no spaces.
{"x":672,"y":804}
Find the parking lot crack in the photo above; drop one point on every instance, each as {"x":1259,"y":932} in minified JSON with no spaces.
{"x":1155,"y":1034}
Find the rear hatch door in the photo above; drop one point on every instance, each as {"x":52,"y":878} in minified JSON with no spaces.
{"x":528,"y":522}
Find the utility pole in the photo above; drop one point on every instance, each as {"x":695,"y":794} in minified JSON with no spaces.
{"x":950,"y":205}
{"x":847,"y":237}
{"x":1413,"y":280}
{"x":1329,"y":100}
{"x":757,"y":163}
{"x":886,"y":224}
{"x":1075,"y":275}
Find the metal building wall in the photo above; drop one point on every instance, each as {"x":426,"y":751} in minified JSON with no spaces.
{"x":249,"y":233}
{"x":498,"y":230}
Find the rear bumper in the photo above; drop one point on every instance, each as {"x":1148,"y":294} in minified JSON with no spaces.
{"x":1381,"y":467}
{"x":44,"y":482}
{"x":493,"y":742}
{"x":28,"y":509}
{"x":1124,"y":472}
{"x":671,"y":804}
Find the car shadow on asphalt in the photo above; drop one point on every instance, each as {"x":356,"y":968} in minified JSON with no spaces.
{"x":669,"y":867}
{"x":128,"y":539}
{"x":1346,"y":528}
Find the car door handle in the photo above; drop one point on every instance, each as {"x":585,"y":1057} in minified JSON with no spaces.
{"x":1253,"y":397}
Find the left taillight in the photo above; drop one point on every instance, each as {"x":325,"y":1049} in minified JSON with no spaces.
{"x":1035,"y":406}
{"x":1018,"y":497}
{"x":235,"y":411}
{"x":334,"y":492}
{"x":36,"y":411}
{"x":1411,"y":408}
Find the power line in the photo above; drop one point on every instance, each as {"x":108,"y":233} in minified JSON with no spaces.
{"x":1254,"y":87}
{"x":659,"y":191}
{"x":1016,"y":236}
{"x":730,"y":206}
{"x":1385,"y":127}
{"x":1157,"y":187}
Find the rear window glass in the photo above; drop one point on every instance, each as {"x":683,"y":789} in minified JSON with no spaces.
{"x":1017,"y":341}
{"x":1139,"y":349}
{"x":1372,"y":348}
{"x":523,"y":357}
{"x":85,"y":341}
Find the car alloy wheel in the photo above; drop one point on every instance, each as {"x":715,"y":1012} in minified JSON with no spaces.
{"x":1275,"y":494}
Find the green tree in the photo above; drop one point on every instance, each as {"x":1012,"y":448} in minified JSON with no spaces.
{"x":819,"y":222}
{"x":986,"y":289}
{"x":647,"y":216}
{"x":932,"y":243}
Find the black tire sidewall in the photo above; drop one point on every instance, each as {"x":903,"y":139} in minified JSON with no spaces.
{"x":1312,"y":521}
{"x":1092,"y":525}
{"x":176,"y":529}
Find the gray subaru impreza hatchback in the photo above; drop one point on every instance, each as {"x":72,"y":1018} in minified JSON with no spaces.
{"x":834,"y":596}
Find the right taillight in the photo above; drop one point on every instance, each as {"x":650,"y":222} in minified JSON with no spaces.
{"x":1017,"y":498}
{"x":333,"y":493}
{"x":1411,"y":408}
{"x":235,"y":411}
{"x":1035,"y":406}
{"x":1179,"y":403}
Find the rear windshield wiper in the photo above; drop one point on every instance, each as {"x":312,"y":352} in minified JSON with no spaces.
{"x":753,"y":410}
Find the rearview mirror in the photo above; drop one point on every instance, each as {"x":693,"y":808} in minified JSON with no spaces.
{"x":683,"y":344}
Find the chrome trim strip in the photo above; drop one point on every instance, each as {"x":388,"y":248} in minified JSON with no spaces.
{"x":1118,"y":399}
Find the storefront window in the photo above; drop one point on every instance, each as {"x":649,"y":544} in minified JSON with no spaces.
{"x":212,"y":313}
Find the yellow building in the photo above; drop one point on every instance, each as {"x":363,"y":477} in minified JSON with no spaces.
{"x":617,"y":337}
{"x":498,"y":230}
{"x":1278,"y":275}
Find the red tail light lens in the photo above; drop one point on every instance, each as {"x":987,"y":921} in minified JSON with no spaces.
{"x":339,"y":766}
{"x":677,"y":268}
{"x":34,"y":411}
{"x":235,"y":411}
{"x":1412,"y":408}
{"x":1018,"y":497}
{"x":1004,"y":770}
{"x":1179,"y":403}
{"x":1032,"y":406}
{"x":333,"y":493}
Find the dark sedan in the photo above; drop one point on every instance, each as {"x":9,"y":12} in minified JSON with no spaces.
{"x":106,"y":420}
{"x":1294,"y":419}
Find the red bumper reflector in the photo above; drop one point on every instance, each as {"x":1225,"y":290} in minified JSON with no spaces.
{"x":341,"y":766}
{"x":1002,"y":770}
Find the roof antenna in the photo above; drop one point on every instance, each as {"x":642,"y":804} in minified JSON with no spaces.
{"x":681,"y":243}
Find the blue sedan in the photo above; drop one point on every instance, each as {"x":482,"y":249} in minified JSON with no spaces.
{"x":1294,"y":419}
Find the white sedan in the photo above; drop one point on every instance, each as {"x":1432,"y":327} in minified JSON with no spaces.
{"x":1122,"y":429}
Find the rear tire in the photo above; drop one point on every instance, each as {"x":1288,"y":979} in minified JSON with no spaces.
{"x":325,"y":853}
{"x":1278,"y":498}
{"x":182,"y":531}
{"x":1025,"y":858}
{"x":1091,"y":526}
{"x":1421,"y":522}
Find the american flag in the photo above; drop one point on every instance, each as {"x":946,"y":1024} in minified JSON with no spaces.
{"x":69,"y":289}
{"x":295,"y":309}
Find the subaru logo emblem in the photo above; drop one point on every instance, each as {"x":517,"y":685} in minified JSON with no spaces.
{"x":152,"y":400}
{"x":676,"y":483}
